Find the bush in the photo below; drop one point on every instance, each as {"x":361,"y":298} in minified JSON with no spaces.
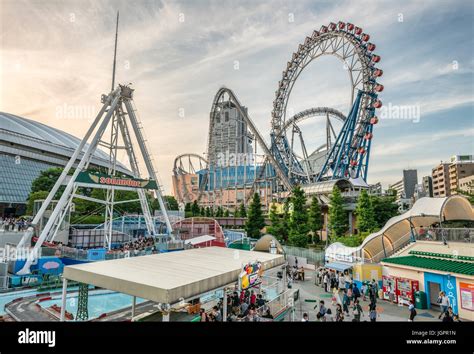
{"x":352,"y":240}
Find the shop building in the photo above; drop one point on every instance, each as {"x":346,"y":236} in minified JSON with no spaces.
{"x":432,"y":267}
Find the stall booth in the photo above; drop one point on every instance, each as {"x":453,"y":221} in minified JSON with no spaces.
{"x":366,"y":272}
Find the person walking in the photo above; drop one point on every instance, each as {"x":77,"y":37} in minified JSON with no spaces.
{"x":326,"y":282}
{"x":342,"y":283}
{"x":357,"y":309}
{"x":412,"y":310}
{"x":372,"y":294}
{"x":444,"y":302}
{"x":448,"y":315}
{"x":373,"y":312}
{"x":363,"y":290}
{"x":339,"y":314}
{"x":345,"y":303}
{"x":355,"y":292}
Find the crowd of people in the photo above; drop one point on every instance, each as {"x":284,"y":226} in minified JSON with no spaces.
{"x":136,"y":246}
{"x":248,"y":306}
{"x":14,"y":224}
{"x":346,"y":296}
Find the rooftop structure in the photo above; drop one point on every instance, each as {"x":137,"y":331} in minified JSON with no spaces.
{"x":168,"y":277}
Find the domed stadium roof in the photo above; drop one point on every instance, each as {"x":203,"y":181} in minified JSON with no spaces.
{"x":26,"y":132}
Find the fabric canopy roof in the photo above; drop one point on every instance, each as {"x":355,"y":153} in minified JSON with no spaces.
{"x":396,"y":232}
{"x":167,"y":277}
{"x":338,"y":266}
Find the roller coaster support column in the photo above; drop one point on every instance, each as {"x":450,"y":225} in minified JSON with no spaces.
{"x":83,"y":300}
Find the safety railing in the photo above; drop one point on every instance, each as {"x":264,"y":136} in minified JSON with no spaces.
{"x":277,"y":306}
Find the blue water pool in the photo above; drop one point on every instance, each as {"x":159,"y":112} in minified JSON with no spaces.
{"x":5,"y":298}
{"x":100,"y":302}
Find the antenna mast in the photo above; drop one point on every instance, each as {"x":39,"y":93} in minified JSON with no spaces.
{"x":115,"y":52}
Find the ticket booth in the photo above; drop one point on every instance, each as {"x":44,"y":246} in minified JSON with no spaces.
{"x":405,"y":290}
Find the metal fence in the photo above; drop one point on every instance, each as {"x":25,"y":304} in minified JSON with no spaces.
{"x":444,"y":234}
{"x":312,"y":256}
{"x":278,"y":306}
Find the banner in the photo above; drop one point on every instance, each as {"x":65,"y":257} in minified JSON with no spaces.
{"x":467,"y":296}
{"x":251,"y":275}
{"x":106,"y":180}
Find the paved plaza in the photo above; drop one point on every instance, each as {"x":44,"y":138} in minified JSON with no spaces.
{"x":310,"y":295}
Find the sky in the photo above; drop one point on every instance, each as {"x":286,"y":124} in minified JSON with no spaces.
{"x":56,"y":61}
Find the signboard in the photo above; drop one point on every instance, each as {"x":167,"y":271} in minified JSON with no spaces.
{"x":251,"y":275}
{"x":467,"y":296}
{"x":99,"y":179}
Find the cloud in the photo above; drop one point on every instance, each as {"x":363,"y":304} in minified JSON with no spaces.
{"x":178,"y":53}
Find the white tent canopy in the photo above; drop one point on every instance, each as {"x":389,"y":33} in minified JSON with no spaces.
{"x":425,"y":212}
{"x":167,"y":277}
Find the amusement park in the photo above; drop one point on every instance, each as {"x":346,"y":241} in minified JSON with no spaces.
{"x":278,"y":220}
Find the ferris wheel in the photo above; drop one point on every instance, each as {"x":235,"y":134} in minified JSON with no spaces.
{"x":345,"y":154}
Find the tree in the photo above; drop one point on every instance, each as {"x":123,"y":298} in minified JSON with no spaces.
{"x":46,"y":180}
{"x":314,"y":217}
{"x":208,"y":212}
{"x":285,"y":221}
{"x":187,"y":207}
{"x":226,"y":213}
{"x":365,"y":213}
{"x":195,"y":208}
{"x":384,"y":208}
{"x":242,"y":211}
{"x":338,"y":223}
{"x":299,"y":228}
{"x":274,"y":228}
{"x":255,"y":220}
{"x":172,"y":202}
{"x":202,"y":211}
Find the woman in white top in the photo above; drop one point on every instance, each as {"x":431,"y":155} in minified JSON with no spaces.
{"x":342,"y":282}
{"x":443,"y":301}
{"x":326,"y":281}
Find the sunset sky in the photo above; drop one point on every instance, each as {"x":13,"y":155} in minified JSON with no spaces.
{"x":56,"y":58}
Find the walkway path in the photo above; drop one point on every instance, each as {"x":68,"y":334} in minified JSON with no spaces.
{"x":311,"y":294}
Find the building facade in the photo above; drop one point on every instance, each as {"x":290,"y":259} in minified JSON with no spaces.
{"x":466,"y":184}
{"x":440,"y":176}
{"x":229,"y":137}
{"x":405,"y":189}
{"x":461,"y":166}
{"x":427,"y":182}
{"x":446,"y":176}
